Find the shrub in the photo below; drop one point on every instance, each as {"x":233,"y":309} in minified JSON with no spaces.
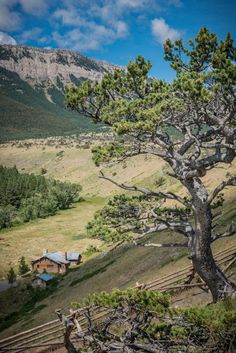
{"x":23,"y":267}
{"x":143,"y":320}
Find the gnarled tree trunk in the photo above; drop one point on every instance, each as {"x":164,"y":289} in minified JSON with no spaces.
{"x":69,"y":326}
{"x":201,"y":253}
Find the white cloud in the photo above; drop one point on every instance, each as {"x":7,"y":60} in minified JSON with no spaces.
{"x":132,"y":3}
{"x":9,"y":19}
{"x":121,"y":28}
{"x":32,"y":34}
{"x":44,"y":40}
{"x":92,"y":37}
{"x":93,"y":23}
{"x":34,"y":7}
{"x":108,"y":10}
{"x":69,"y":16}
{"x":162,"y":31}
{"x":88,"y":28}
{"x":6,"y":39}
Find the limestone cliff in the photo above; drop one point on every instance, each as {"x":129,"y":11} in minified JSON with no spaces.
{"x":55,"y":66}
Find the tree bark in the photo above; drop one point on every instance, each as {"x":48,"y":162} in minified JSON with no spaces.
{"x":67,"y":342}
{"x":69,"y":325}
{"x":201,"y":253}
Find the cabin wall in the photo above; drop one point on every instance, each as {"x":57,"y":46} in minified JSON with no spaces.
{"x":47,"y":265}
{"x":38,"y":283}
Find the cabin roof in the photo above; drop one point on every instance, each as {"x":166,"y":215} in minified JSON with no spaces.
{"x":59,"y":257}
{"x":73,"y":256}
{"x":55,"y":257}
{"x":46,"y":277}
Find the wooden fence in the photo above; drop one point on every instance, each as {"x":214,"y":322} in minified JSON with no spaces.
{"x":50,"y":335}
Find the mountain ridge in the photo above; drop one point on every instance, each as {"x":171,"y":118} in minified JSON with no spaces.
{"x":36,"y":63}
{"x":38,"y":77}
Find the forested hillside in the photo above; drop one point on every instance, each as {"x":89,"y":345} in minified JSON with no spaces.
{"x":27,"y":196}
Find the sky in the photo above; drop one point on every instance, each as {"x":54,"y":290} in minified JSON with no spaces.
{"x":113,"y":30}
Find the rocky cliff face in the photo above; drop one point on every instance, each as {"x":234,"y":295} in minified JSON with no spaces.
{"x":32,"y":83}
{"x":55,"y":66}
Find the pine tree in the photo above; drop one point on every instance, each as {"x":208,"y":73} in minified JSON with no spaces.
{"x":11,"y":276}
{"x":23,"y":267}
{"x":190,"y":124}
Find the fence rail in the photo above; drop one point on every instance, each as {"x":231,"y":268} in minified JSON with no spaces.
{"x":51,"y":333}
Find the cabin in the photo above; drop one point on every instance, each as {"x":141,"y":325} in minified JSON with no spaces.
{"x":55,"y":262}
{"x":42,"y":280}
{"x":73,"y":257}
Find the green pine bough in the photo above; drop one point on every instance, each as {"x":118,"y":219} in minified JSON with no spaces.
{"x":138,"y":320}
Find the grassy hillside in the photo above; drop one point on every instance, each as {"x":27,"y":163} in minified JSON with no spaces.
{"x":26,"y":112}
{"x":75,"y":165}
{"x":120,"y":268}
{"x":67,"y":229}
{"x":64,"y":231}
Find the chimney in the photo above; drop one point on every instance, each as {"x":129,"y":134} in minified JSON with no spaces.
{"x":45,"y":252}
{"x":66,"y":255}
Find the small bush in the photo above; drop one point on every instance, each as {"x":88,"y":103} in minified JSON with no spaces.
{"x":43,"y":171}
{"x":91,"y":250}
{"x":23,"y":267}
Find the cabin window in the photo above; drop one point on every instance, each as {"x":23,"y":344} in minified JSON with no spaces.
{"x":49,"y":266}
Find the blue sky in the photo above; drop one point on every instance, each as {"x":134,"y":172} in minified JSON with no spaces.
{"x":115,"y":31}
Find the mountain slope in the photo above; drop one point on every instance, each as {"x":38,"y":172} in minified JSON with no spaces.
{"x":32,"y":83}
{"x":26,"y":112}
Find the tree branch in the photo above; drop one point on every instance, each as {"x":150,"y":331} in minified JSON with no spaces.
{"x":179,"y":227}
{"x":168,"y":245}
{"x":230,"y":182}
{"x":147,"y":192}
{"x":185,"y":146}
{"x":218,"y":145}
{"x":229,"y":233}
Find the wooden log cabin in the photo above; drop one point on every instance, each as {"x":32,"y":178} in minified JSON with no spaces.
{"x":55,"y":262}
{"x":42,"y":280}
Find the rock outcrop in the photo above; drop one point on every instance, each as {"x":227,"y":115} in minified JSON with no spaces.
{"x":51,"y":66}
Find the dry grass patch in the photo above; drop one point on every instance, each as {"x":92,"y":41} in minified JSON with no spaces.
{"x":76,"y":165}
{"x":64,"y":231}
